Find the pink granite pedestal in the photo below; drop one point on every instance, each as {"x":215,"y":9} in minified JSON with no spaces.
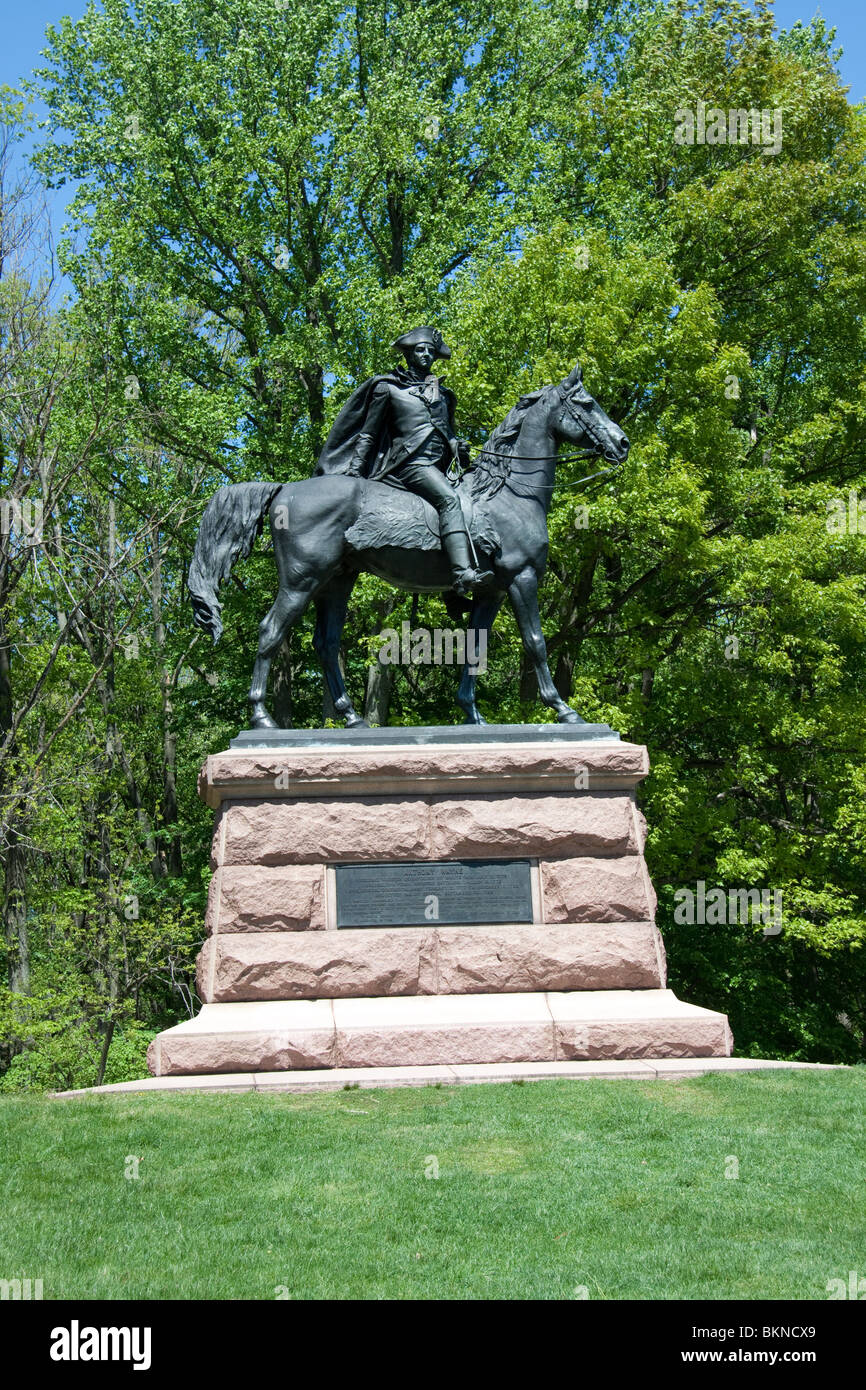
{"x":285,"y":989}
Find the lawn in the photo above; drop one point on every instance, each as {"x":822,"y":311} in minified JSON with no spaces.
{"x":736,"y":1187}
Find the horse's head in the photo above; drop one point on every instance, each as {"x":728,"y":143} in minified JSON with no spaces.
{"x":581,"y":421}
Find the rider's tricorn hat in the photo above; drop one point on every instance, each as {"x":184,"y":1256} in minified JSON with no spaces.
{"x":423,"y":335}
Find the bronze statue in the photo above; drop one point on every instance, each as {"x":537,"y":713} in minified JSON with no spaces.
{"x":399,"y":429}
{"x":377,"y":504}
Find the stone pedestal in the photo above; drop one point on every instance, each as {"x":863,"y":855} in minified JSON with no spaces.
{"x":284,"y":987}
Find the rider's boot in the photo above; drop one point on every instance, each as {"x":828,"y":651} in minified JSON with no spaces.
{"x":464,"y":574}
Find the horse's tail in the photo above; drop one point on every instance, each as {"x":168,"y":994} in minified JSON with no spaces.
{"x":232,"y":520}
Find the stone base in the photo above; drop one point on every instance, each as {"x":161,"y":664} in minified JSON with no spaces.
{"x":359,"y":962}
{"x":439,"y":1029}
{"x":288,"y":989}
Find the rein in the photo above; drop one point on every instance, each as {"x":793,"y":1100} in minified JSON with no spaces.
{"x":507,"y":475}
{"x":507,"y":479}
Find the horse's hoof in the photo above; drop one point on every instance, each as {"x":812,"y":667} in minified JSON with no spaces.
{"x":262,"y":720}
{"x":356,"y":722}
{"x":570,"y":717}
{"x":475,"y":719}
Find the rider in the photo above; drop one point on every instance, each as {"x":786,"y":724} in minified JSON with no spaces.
{"x":399,"y":428}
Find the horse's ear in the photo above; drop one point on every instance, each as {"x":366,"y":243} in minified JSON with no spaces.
{"x":575,"y":377}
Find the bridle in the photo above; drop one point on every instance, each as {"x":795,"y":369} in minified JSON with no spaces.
{"x":507,"y":476}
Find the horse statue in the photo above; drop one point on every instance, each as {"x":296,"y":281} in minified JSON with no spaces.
{"x":327,"y":530}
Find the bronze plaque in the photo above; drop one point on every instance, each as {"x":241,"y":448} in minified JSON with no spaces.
{"x":456,"y":892}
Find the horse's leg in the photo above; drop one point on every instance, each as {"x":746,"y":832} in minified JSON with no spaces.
{"x":523,"y":593}
{"x":331,"y":606}
{"x":308,"y":554}
{"x":481,"y":618}
{"x":287,"y":608}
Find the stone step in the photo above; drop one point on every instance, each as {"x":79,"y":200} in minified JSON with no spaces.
{"x":376,"y":961}
{"x":427,"y":1030}
{"x":495,"y":1073}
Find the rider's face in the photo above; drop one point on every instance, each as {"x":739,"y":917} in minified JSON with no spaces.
{"x":421,"y":358}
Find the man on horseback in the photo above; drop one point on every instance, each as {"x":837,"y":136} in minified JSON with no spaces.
{"x":399,"y":429}
{"x":312,"y":520}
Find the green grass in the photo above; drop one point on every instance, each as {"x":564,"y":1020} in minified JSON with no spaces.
{"x":617,"y":1186}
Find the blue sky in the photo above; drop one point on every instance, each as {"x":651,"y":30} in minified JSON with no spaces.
{"x":24,"y":29}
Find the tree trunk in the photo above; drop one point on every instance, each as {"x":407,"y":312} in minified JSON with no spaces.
{"x":15,"y":911}
{"x":528,"y":680}
{"x":14,"y":855}
{"x":380,"y":678}
{"x":103,"y":1056}
{"x":281,"y":685}
{"x":564,"y":676}
{"x":173,"y":858}
{"x":377,"y":699}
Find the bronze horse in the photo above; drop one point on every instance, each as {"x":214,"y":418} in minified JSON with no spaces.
{"x":328,"y":530}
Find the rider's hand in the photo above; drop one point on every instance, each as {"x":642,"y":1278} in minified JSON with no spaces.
{"x":463,"y":453}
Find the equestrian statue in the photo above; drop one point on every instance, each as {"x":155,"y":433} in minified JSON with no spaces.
{"x":392,"y":495}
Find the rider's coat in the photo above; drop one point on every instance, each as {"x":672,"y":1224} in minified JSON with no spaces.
{"x":388,"y":421}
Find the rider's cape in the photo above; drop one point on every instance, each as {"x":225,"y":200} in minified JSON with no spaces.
{"x":336,"y":457}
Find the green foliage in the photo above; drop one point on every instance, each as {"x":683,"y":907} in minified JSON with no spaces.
{"x":68,"y":1058}
{"x":267,"y":196}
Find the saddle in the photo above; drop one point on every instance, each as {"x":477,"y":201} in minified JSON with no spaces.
{"x":393,"y":518}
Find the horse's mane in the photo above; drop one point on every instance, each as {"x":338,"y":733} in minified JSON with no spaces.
{"x":491,"y":467}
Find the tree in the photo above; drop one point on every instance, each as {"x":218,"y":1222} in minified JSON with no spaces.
{"x":267,"y":196}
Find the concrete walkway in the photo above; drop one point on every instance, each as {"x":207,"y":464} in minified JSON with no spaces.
{"x":372,"y":1078}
